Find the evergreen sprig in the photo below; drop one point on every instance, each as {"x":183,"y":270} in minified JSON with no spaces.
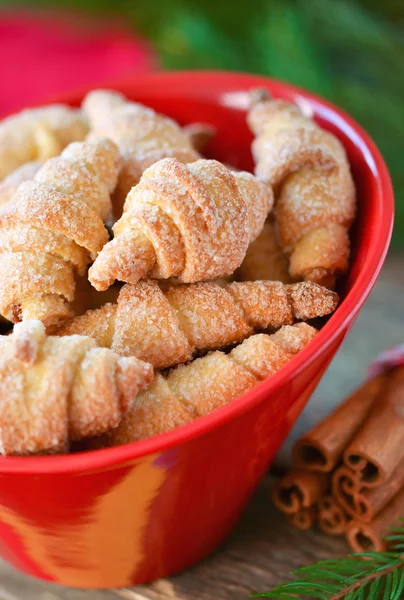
{"x":359,"y":576}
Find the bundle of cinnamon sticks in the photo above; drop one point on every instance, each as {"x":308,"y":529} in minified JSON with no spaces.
{"x":348,"y":470}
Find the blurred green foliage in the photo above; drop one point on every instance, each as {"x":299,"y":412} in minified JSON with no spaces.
{"x":351,"y":52}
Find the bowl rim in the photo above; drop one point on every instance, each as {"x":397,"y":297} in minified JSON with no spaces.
{"x":335,"y":326}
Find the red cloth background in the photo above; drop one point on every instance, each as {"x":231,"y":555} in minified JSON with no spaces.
{"x":43,"y":54}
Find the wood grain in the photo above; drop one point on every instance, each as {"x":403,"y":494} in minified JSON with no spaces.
{"x":264,"y":548}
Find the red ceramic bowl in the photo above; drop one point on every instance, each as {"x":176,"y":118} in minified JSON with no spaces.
{"x":134,"y":513}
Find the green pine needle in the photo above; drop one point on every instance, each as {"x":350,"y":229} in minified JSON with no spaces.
{"x":359,"y":576}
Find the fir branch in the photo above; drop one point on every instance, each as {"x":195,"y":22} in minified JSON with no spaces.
{"x":359,"y":576}
{"x":397,"y":537}
{"x":377,"y":575}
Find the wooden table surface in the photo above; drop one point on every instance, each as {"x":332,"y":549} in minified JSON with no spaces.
{"x":264,"y":548}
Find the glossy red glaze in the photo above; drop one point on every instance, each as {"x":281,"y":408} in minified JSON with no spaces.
{"x":134,"y":513}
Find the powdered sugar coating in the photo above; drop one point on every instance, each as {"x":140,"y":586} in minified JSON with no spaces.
{"x":315,"y":194}
{"x":259,"y":198}
{"x":38,"y":134}
{"x":168,"y":326}
{"x":54,"y":390}
{"x":197,"y":218}
{"x":10,"y":184}
{"x":135,"y":128}
{"x":143,"y":136}
{"x":188,"y":222}
{"x":193,"y":390}
{"x":52,"y":226}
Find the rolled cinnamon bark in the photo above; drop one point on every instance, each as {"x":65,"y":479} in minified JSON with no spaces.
{"x":321,"y":449}
{"x":300,"y":489}
{"x":363,"y":537}
{"x":345,"y":486}
{"x":331,"y":517}
{"x":304,"y":518}
{"x":378,"y":448}
{"x":363,"y":504}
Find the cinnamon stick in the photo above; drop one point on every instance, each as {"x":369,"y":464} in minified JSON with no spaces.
{"x":300,"y":489}
{"x":304,"y":518}
{"x":345,"y":485}
{"x":364,"y":504}
{"x":331,"y":517}
{"x":364,"y":537}
{"x":378,"y":448}
{"x":321,"y":449}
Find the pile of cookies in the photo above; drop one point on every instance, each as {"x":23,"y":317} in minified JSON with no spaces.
{"x":202,"y":277}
